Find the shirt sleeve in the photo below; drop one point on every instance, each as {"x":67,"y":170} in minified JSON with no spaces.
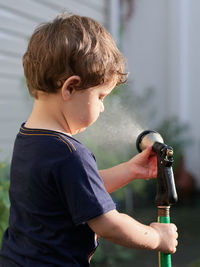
{"x":82,"y":188}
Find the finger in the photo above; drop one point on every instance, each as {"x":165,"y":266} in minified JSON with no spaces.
{"x":176,"y":235}
{"x":148,"y":151}
{"x":173,"y":251}
{"x":174,"y":226}
{"x":151,"y":153}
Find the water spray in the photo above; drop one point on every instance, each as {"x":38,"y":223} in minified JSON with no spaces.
{"x":166,"y":191}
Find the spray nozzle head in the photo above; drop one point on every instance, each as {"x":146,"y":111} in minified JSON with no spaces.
{"x":166,"y":190}
{"x":148,"y":138}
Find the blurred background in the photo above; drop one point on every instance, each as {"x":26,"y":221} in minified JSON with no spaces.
{"x":160,"y":42}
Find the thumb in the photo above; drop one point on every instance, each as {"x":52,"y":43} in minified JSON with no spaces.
{"x":148,"y":151}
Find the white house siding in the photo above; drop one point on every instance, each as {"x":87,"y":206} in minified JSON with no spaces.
{"x":163,"y":53}
{"x":192,"y":94}
{"x":18,"y":18}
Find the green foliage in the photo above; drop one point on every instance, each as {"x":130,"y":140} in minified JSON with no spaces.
{"x":4,"y":198}
{"x":175,"y":134}
{"x":195,"y":263}
{"x":110,"y":254}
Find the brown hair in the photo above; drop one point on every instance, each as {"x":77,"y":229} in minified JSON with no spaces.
{"x":71,"y":45}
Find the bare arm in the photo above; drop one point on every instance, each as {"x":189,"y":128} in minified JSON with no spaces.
{"x":123,"y":230}
{"x":142,"y":166}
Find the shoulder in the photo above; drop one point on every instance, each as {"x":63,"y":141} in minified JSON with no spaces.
{"x":53,"y":148}
{"x":80,"y":155}
{"x":68,"y":152}
{"x":50,"y":142}
{"x":76,"y":148}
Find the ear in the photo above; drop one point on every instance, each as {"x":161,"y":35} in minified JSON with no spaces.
{"x":69,"y":86}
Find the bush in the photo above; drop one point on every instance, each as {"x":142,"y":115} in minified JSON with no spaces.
{"x":4,"y":197}
{"x":175,"y":134}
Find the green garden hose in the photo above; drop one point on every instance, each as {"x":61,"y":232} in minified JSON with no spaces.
{"x":164,"y":259}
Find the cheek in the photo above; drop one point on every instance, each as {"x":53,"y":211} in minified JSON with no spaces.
{"x":90,"y":113}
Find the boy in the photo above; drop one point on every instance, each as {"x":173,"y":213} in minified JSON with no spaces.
{"x":59,"y":199}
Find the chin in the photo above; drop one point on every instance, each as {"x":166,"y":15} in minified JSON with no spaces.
{"x":82,"y":130}
{"x":78,"y":131}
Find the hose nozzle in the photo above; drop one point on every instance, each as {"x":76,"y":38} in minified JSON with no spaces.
{"x":166,"y":190}
{"x":148,"y":138}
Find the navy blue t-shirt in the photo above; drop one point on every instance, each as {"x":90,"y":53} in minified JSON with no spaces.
{"x":55,"y":189}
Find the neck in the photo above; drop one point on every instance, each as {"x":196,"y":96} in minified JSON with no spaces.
{"x":47,"y":114}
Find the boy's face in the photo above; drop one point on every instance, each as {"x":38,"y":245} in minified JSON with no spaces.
{"x":85,"y":106}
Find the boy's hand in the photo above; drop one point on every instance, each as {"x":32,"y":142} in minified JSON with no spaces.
{"x":144,"y":165}
{"x":167,"y":237}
